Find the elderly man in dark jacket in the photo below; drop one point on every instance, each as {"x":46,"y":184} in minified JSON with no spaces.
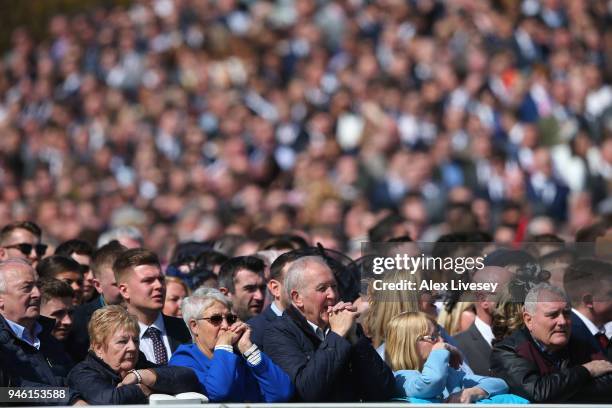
{"x":542,"y":364}
{"x":30,"y":356}
{"x":318,"y":343}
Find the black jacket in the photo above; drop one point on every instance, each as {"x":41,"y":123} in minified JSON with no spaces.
{"x":260,"y":324}
{"x":332,"y":370}
{"x":538,"y":377}
{"x":26,"y":366}
{"x":177,"y":332}
{"x":97,"y":382}
{"x":476,"y":350}
{"x":77,"y":343}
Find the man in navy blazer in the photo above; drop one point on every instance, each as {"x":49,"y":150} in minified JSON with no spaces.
{"x":142,"y":287}
{"x":588,"y":282}
{"x":318,"y":343}
{"x":260,"y":323}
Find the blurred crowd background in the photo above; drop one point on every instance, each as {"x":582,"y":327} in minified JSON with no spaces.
{"x":193,"y":120}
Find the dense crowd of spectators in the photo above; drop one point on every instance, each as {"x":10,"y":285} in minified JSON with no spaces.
{"x":190,"y":119}
{"x":186,"y":187}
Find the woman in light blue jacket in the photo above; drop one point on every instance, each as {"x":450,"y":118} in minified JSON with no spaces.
{"x":425,"y":367}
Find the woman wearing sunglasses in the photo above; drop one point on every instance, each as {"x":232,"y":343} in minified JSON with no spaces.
{"x":229,"y":366}
{"x":426,"y":368}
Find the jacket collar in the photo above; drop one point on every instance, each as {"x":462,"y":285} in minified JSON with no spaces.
{"x":298,"y":318}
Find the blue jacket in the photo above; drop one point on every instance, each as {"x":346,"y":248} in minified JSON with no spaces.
{"x":330,"y":370}
{"x":438,"y":380}
{"x":581,"y":332}
{"x":228,"y":377}
{"x":260,"y":324}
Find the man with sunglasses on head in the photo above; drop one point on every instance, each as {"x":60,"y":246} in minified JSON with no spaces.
{"x":21,"y":239}
{"x":143,"y":289}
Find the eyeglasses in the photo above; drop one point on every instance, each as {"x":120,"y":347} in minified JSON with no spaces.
{"x":217,"y":319}
{"x":432,"y":338}
{"x":26,"y":249}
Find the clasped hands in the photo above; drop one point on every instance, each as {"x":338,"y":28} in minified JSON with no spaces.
{"x":342,"y":320}
{"x":238,"y":334}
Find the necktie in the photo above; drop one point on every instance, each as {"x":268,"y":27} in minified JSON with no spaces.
{"x":320,"y":334}
{"x":602,"y":340}
{"x":161,"y":355}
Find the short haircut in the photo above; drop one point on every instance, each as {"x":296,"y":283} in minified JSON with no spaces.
{"x":586,"y":276}
{"x":533,"y":296}
{"x":51,"y":266}
{"x":26,"y":225}
{"x":108,"y":320}
{"x":74,"y":246}
{"x":294,"y":279}
{"x":276,"y":269}
{"x":131,"y":258}
{"x":9,"y":264}
{"x":51,"y":288}
{"x":192,"y":307}
{"x":105,"y":256}
{"x":229,"y":270}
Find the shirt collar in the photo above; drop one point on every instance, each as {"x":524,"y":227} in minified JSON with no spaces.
{"x":318,"y":330}
{"x":589,"y":324}
{"x":23,"y":334}
{"x":158,"y":324}
{"x":276,"y":309}
{"x":484,"y":329}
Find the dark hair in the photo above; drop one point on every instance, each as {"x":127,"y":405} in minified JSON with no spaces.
{"x":592,"y":232}
{"x":228,"y":271}
{"x":51,"y":288}
{"x":384,"y":229}
{"x":585,"y":275}
{"x":276,"y":269}
{"x":211,"y":258}
{"x":26,"y":225}
{"x":50,"y":266}
{"x":74,"y":246}
{"x":105,"y":256}
{"x":132,"y":258}
{"x":188,"y":252}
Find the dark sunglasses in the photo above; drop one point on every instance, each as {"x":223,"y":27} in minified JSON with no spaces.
{"x":217,"y":319}
{"x":26,"y":249}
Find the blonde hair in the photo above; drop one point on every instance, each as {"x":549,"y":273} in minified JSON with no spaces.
{"x":386,"y":304}
{"x":451,"y":321}
{"x":178,"y":281}
{"x":403,"y":332}
{"x":108,"y":320}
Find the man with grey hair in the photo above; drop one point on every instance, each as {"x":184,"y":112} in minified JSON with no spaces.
{"x":319,"y":344}
{"x":542,"y":363}
{"x":29,"y":353}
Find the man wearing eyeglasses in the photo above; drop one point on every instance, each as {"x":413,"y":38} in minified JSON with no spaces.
{"x":21,"y":239}
{"x":143,"y":288}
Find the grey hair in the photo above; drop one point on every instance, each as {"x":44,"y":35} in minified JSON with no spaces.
{"x":294,"y":279}
{"x":192,"y":307}
{"x":533,"y":297}
{"x":7,"y":265}
{"x":119,"y":232}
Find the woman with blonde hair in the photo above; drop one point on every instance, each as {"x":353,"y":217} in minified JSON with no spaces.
{"x":426,"y":368}
{"x":113,"y":374}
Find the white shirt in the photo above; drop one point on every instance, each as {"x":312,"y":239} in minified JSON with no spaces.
{"x":276,"y":309}
{"x":484,"y":329}
{"x":589,"y":324}
{"x":318,"y":331}
{"x":146,"y":344}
